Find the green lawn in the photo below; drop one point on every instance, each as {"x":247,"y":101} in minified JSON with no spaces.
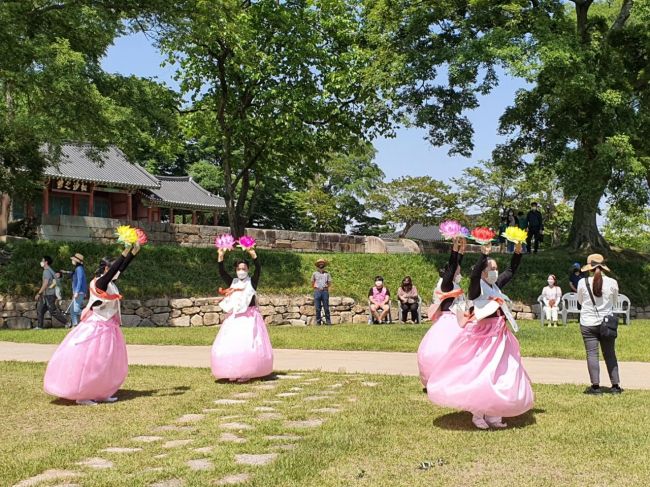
{"x":170,"y":270}
{"x":563,"y":342}
{"x":388,"y":435}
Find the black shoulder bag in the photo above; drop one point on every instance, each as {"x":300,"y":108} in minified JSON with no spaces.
{"x":609,"y":325}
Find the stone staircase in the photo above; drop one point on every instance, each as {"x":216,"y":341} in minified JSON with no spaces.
{"x":398,"y":246}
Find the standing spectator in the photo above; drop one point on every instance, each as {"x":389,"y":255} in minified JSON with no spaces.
{"x":551,"y":296}
{"x":523,"y":224}
{"x":46,"y":296}
{"x":598,"y":295}
{"x":535,"y":227}
{"x":500,"y":237}
{"x":79,"y":288}
{"x":409,"y":301}
{"x":379,"y":300}
{"x":321,"y":281}
{"x":511,"y":221}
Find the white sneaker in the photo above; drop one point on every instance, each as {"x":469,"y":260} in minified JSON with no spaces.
{"x":495,"y":422}
{"x":86,"y":402}
{"x":480,"y":423}
{"x":110,"y":399}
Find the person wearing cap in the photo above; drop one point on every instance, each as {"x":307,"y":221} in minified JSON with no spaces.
{"x":321,"y":281}
{"x":482,"y":371}
{"x":379,"y":300}
{"x":79,"y":287}
{"x":604,"y":290}
{"x":575,"y":275}
{"x":46,"y":295}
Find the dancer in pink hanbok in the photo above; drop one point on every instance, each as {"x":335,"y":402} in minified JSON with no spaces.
{"x":482,"y":370}
{"x":91,"y":364}
{"x":242,"y":349}
{"x":445,"y":313}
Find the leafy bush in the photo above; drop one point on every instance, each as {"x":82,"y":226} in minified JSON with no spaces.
{"x":180,"y":272}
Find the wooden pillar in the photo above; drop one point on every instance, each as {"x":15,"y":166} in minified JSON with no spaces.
{"x":75,"y":205}
{"x":150,"y":214}
{"x":193,"y":217}
{"x":216,"y":218}
{"x":5,"y":208}
{"x":129,"y":206}
{"x":91,"y":201}
{"x":46,"y":199}
{"x":171,"y":215}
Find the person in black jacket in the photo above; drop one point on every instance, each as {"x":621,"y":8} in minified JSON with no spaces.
{"x":535,"y":227}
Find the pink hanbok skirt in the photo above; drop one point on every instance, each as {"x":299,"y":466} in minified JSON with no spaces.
{"x":242,"y":349}
{"x":436,"y":342}
{"x":90,"y":363}
{"x":482,"y":372}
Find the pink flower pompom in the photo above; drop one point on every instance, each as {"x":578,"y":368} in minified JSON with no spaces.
{"x":224,"y":242}
{"x":142,"y":237}
{"x":450,"y":229}
{"x":246,"y":242}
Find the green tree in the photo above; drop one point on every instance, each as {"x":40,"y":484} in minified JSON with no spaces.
{"x":410,"y":200}
{"x":629,"y":231}
{"x":208,"y":176}
{"x":273,"y":85}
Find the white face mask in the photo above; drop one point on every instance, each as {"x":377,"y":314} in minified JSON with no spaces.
{"x":551,"y":282}
{"x":457,"y":278}
{"x":379,"y":283}
{"x":492,"y":277}
{"x":241,"y":275}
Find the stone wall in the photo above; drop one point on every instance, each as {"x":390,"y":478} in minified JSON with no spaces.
{"x":102,"y":230}
{"x":277,"y":310}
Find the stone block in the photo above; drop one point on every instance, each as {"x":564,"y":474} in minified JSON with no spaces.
{"x":335,"y":301}
{"x":18,"y":323}
{"x":358,"y":309}
{"x":525,"y":316}
{"x":30,"y":314}
{"x":347,"y":301}
{"x":279,"y":300}
{"x":128,"y":311}
{"x":190,"y":310}
{"x":209,"y":308}
{"x":162,"y":309}
{"x":360,"y":319}
{"x":347,"y":317}
{"x":267,"y":310}
{"x":526,"y":309}
{"x":28,"y":306}
{"x":293,"y":309}
{"x":280,"y":309}
{"x":206,"y":301}
{"x":180,"y":321}
{"x":147,"y":322}
{"x":283,"y":244}
{"x":307,"y":310}
{"x":157,"y":303}
{"x":10,"y":306}
{"x":263,"y":300}
{"x":196,"y":320}
{"x":297,"y":322}
{"x":304,"y":245}
{"x":160,"y":319}
{"x":210,"y":319}
{"x":143,"y":312}
{"x":175,"y":313}
{"x":180,"y":303}
{"x":131,"y":320}
{"x":131,"y":304}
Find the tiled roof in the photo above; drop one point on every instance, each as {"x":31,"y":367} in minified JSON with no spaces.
{"x":114,"y":170}
{"x":184,"y":192}
{"x":420,"y":232}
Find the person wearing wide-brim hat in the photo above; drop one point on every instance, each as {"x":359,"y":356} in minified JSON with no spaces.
{"x":598,"y":295}
{"x":321,"y":281}
{"x":79,"y":288}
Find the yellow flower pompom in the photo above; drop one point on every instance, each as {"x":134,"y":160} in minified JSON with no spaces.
{"x":515,"y":234}
{"x":126,"y":235}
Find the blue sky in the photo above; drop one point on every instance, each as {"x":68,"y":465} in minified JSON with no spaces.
{"x":406,"y":154}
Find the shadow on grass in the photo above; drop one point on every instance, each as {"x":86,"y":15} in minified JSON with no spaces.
{"x":462,"y":420}
{"x":266,"y":378}
{"x":129,"y":394}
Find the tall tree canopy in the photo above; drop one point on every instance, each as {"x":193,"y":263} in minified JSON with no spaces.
{"x":273,"y":86}
{"x":585,"y":116}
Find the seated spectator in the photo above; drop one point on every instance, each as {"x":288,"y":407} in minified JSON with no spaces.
{"x":379,"y":300}
{"x":551,"y":296}
{"x":407,"y":295}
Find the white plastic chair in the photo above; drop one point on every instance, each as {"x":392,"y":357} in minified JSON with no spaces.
{"x":390,"y":314}
{"x":622,"y":307}
{"x":569,"y":305}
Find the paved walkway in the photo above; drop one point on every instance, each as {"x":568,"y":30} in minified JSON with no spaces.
{"x":635,"y":375}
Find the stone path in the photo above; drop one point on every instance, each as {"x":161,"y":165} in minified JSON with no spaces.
{"x":635,"y":375}
{"x":254,"y":420}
